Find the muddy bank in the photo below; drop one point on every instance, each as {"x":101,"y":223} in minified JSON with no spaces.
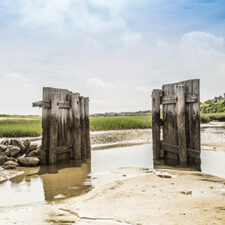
{"x":107,"y":139}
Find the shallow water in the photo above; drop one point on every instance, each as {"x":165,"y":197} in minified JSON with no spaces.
{"x":47,"y":183}
{"x":51,"y":183}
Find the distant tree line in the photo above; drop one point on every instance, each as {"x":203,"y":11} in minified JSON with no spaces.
{"x":210,"y":106}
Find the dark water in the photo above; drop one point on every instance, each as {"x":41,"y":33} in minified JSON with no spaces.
{"x":47,"y":183}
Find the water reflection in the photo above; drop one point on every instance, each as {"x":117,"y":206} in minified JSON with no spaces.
{"x":47,"y":183}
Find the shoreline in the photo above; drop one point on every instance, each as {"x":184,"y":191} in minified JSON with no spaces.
{"x":133,"y":196}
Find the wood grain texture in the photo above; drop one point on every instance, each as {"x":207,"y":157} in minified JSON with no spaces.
{"x":156,"y":123}
{"x":87,"y":127}
{"x":65,"y":126}
{"x":183,"y":125}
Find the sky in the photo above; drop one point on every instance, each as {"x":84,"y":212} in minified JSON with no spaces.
{"x":114,"y":51}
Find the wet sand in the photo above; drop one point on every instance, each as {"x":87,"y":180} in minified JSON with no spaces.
{"x":133,"y":196}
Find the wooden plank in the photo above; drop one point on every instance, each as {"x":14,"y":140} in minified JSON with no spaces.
{"x":169,"y":147}
{"x":64,"y":104}
{"x":82,"y":124}
{"x":53,"y":130}
{"x":63,"y":149}
{"x":172,"y":99}
{"x":44,"y":151}
{"x":193,"y":156}
{"x":87,"y":127}
{"x":193,"y":118}
{"x":181,"y":126}
{"x":194,"y":151}
{"x":170,"y":135}
{"x":156,"y":123}
{"x":75,"y":103}
{"x":42,"y":104}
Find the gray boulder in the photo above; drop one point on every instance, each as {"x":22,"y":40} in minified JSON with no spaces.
{"x":34,"y":153}
{"x":10,"y":158}
{"x":33,"y":147}
{"x":26,"y":143}
{"x":7,"y":153}
{"x":11,"y":163}
{"x":17,"y":143}
{"x":28,"y":161}
{"x":10,"y":167}
{"x":3,"y":148}
{"x":2,"y":159}
{"x":14,"y":150}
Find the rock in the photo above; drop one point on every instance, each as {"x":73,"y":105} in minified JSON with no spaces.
{"x":165,"y":176}
{"x":10,"y":167}
{"x":34,"y":153}
{"x":2,"y":160}
{"x":5,"y":142}
{"x":11,"y":163}
{"x":7,"y":152}
{"x":10,"y":158}
{"x":3,"y":148}
{"x":26,"y":143}
{"x":33,"y":147}
{"x":186,"y":192}
{"x":17,"y":143}
{"x":28,"y":161}
{"x":14,"y":150}
{"x":3,"y":154}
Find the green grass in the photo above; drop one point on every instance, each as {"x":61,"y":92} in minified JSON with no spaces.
{"x":204,"y":118}
{"x":20,"y":128}
{"x":212,"y":116}
{"x":32,"y":128}
{"x":120,"y":122}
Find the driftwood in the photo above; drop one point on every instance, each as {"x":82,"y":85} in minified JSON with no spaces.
{"x":65,"y":132}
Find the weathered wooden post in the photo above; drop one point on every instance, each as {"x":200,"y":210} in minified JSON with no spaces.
{"x":87,"y":127}
{"x":156,"y":123}
{"x":77,"y":129}
{"x":180,"y":104}
{"x":53,"y":130}
{"x":64,"y":134}
{"x":45,"y":126}
{"x":181,"y":122}
{"x":82,"y":124}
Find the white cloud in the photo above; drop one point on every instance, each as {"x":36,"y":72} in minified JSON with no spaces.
{"x":142,"y":89}
{"x":19,"y":92}
{"x":16,"y":77}
{"x":197,"y":41}
{"x":129,"y":38}
{"x":98,"y":84}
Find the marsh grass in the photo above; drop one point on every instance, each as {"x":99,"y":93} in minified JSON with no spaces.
{"x":120,"y":122}
{"x":32,"y":128}
{"x":20,"y":128}
{"x":206,"y":117}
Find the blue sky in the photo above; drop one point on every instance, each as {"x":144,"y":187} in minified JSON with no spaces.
{"x":116,"y":51}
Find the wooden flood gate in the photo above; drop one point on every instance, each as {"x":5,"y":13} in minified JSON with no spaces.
{"x":65,"y":124}
{"x":180,"y":122}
